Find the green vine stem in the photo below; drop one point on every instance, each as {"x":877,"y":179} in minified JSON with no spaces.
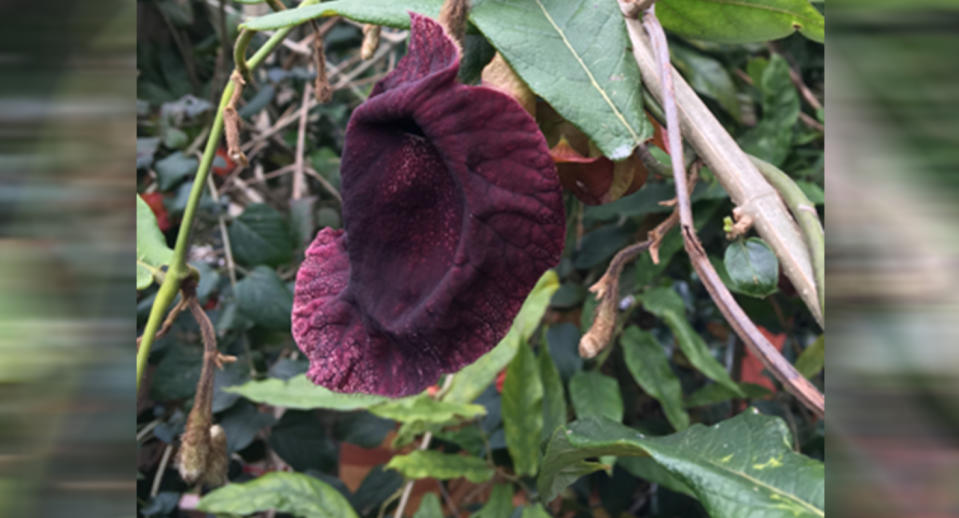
{"x":805,"y":213}
{"x":178,"y":269}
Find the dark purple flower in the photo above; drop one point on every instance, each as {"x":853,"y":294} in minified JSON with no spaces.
{"x":452,"y":210}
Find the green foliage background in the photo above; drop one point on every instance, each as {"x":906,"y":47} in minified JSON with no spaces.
{"x":631,"y":431}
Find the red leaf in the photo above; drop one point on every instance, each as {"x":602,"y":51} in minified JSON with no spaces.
{"x":751,"y":368}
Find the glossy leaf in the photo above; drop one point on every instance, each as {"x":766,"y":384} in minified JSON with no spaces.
{"x":426,"y":409}
{"x":500,"y":503}
{"x":772,"y":139}
{"x":261,"y":235}
{"x":534,"y":511}
{"x":707,"y":76}
{"x":752,"y":267}
{"x":173,"y":169}
{"x":473,"y":379}
{"x":666,"y":304}
{"x":647,"y":362}
{"x":299,"y":392}
{"x":522,"y":408}
{"x":441,"y":466}
{"x":554,"y":395}
{"x":263,"y":298}
{"x":743,"y":21}
{"x":811,"y":361}
{"x":152,"y":250}
{"x":743,"y":466}
{"x":294,"y":493}
{"x":594,"y":394}
{"x":429,"y":507}
{"x":588,"y":42}
{"x":713,"y":393}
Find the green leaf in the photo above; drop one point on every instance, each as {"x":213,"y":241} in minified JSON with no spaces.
{"x":743,"y":466}
{"x":713,"y":393}
{"x":562,"y":464}
{"x":740,"y":21}
{"x":752,"y":267}
{"x":429,"y":507}
{"x":647,"y":362}
{"x":442,"y":466}
{"x":666,"y":304}
{"x":426,"y":409}
{"x":554,"y":396}
{"x":587,"y":41}
{"x":473,"y":379}
{"x":294,"y":493}
{"x":522,"y":408}
{"x":299,"y":439}
{"x":379,"y":12}
{"x":647,"y":469}
{"x":595,"y":394}
{"x":772,"y":138}
{"x":534,"y":511}
{"x":500,"y":503}
{"x":261,"y":235}
{"x":263,"y":298}
{"x":810,"y":362}
{"x":152,"y":250}
{"x":596,"y":92}
{"x":173,"y":169}
{"x":300,"y":393}
{"x":707,"y":76}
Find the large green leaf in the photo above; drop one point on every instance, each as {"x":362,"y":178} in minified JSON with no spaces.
{"x":426,"y":409}
{"x":743,"y":466}
{"x":263,"y":298}
{"x":666,"y":304}
{"x":261,"y":235}
{"x":554,"y":396}
{"x":752,"y":267}
{"x":473,"y":379}
{"x":152,"y":251}
{"x":522,"y":408}
{"x":299,"y":392}
{"x":595,"y":394}
{"x":772,"y":139}
{"x":429,"y":507}
{"x":585,"y":40}
{"x":740,"y":21}
{"x":441,"y":466}
{"x":500,"y":503}
{"x":294,"y":493}
{"x":647,"y":362}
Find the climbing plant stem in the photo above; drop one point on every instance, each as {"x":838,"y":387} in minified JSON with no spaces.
{"x":178,"y":269}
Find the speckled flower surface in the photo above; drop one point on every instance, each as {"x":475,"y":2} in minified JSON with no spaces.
{"x":452,"y":210}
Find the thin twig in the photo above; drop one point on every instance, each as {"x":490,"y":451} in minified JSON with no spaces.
{"x":739,"y":177}
{"x":424,"y":444}
{"x":224,"y":235}
{"x":161,"y":469}
{"x":794,"y":382}
{"x":299,"y":181}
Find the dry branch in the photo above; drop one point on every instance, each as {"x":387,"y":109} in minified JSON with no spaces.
{"x":794,"y":382}
{"x":737,"y":174}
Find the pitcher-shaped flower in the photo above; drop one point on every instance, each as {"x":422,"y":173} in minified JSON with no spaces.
{"x":452,"y":210}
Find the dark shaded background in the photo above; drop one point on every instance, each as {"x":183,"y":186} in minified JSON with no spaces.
{"x":67,"y":302}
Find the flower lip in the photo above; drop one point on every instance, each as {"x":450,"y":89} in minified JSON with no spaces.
{"x":452,"y":210}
